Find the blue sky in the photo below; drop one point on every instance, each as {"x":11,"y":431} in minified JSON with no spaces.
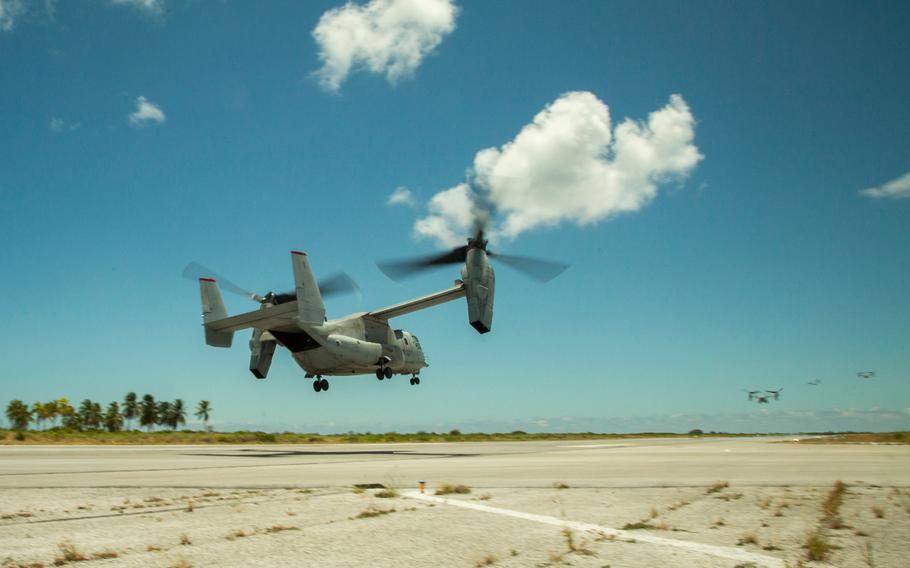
{"x":760,"y":265}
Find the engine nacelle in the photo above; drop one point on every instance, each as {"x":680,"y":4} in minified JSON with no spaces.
{"x":479,"y":283}
{"x":355,"y":351}
{"x":262,"y":348}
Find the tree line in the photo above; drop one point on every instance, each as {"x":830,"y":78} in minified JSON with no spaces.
{"x":147,"y":411}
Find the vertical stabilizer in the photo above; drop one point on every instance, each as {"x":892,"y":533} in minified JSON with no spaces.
{"x":212,"y":310}
{"x":310,"y":308}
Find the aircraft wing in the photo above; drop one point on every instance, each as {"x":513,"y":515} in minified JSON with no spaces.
{"x":278,"y":317}
{"x":421,"y":303}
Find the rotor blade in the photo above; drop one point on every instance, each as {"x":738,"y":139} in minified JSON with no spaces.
{"x":540,"y":270}
{"x":195,"y":271}
{"x":338,"y":283}
{"x":400,"y":269}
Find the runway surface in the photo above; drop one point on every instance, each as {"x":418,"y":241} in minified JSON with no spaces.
{"x":139,"y":501}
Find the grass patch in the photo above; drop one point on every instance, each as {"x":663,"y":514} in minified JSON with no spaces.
{"x":387,"y":493}
{"x":185,"y":539}
{"x":68,"y":553}
{"x":237,"y":533}
{"x":716,"y":487}
{"x":817,"y":547}
{"x":372,"y":511}
{"x":748,"y":538}
{"x":181,"y":563}
{"x":832,"y":504}
{"x":729,"y":496}
{"x":105,"y":554}
{"x":560,"y":485}
{"x":66,"y":436}
{"x":637,"y":526}
{"x":153,"y":548}
{"x":575,"y":547}
{"x":281,"y":528}
{"x":487,"y":560}
{"x":447,"y":489}
{"x":860,"y":438}
{"x":878,"y":512}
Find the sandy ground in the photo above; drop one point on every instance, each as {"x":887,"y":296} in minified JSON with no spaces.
{"x":297,"y":505}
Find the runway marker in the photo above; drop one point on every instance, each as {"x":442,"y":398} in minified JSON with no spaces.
{"x":709,"y":549}
{"x":599,"y":446}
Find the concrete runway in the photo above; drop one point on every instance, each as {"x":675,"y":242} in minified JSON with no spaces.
{"x":291,"y":501}
{"x":612,"y":463}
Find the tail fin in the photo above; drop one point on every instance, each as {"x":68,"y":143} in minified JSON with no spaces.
{"x":310,"y":308}
{"x":213,"y":309}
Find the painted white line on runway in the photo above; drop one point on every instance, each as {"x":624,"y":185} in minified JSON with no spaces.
{"x":598,"y":446}
{"x":709,"y":549}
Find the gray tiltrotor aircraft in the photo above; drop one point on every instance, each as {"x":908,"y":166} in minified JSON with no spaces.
{"x":359,"y":343}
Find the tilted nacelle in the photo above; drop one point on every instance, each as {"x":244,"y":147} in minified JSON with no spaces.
{"x":479,"y":283}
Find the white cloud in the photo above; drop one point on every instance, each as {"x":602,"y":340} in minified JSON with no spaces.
{"x":898,"y":188}
{"x":146,"y":113}
{"x":450,"y":218}
{"x":60,"y":125}
{"x":401,"y":196}
{"x":154,"y":7}
{"x":571,"y":165}
{"x":388,"y":37}
{"x":10,"y":10}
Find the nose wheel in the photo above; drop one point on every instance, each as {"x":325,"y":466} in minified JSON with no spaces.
{"x":320,"y":384}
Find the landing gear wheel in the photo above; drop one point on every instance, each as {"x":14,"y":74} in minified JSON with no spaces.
{"x":387,"y":372}
{"x":412,"y":381}
{"x":416,"y":380}
{"x":379,"y":374}
{"x":324,"y":384}
{"x":317,"y":385}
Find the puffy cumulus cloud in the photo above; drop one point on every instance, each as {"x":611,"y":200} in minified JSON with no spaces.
{"x":154,"y":7}
{"x":571,"y":165}
{"x":450,"y":217}
{"x":147,"y":113}
{"x":898,"y":188}
{"x":388,"y":37}
{"x":10,"y":11}
{"x":401,"y":196}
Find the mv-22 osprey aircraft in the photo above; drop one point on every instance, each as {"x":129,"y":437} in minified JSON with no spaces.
{"x":359,"y":343}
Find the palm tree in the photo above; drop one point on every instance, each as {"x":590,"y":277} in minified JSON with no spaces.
{"x":163,"y":413}
{"x":18,"y":414}
{"x":85,"y":413}
{"x":66,"y":411}
{"x":90,"y":413}
{"x":203,"y":410}
{"x":148,"y":413}
{"x":178,"y":414}
{"x":113,"y":421}
{"x":97,"y":416}
{"x":51,"y":410}
{"x":130,"y":408}
{"x":73,"y":421}
{"x":38,"y":413}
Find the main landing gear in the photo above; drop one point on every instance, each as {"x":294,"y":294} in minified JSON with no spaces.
{"x":320,"y":384}
{"x":383,"y":373}
{"x":415,"y":380}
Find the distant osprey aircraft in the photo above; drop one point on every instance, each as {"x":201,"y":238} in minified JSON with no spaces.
{"x":815,"y":383}
{"x":865,"y":374}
